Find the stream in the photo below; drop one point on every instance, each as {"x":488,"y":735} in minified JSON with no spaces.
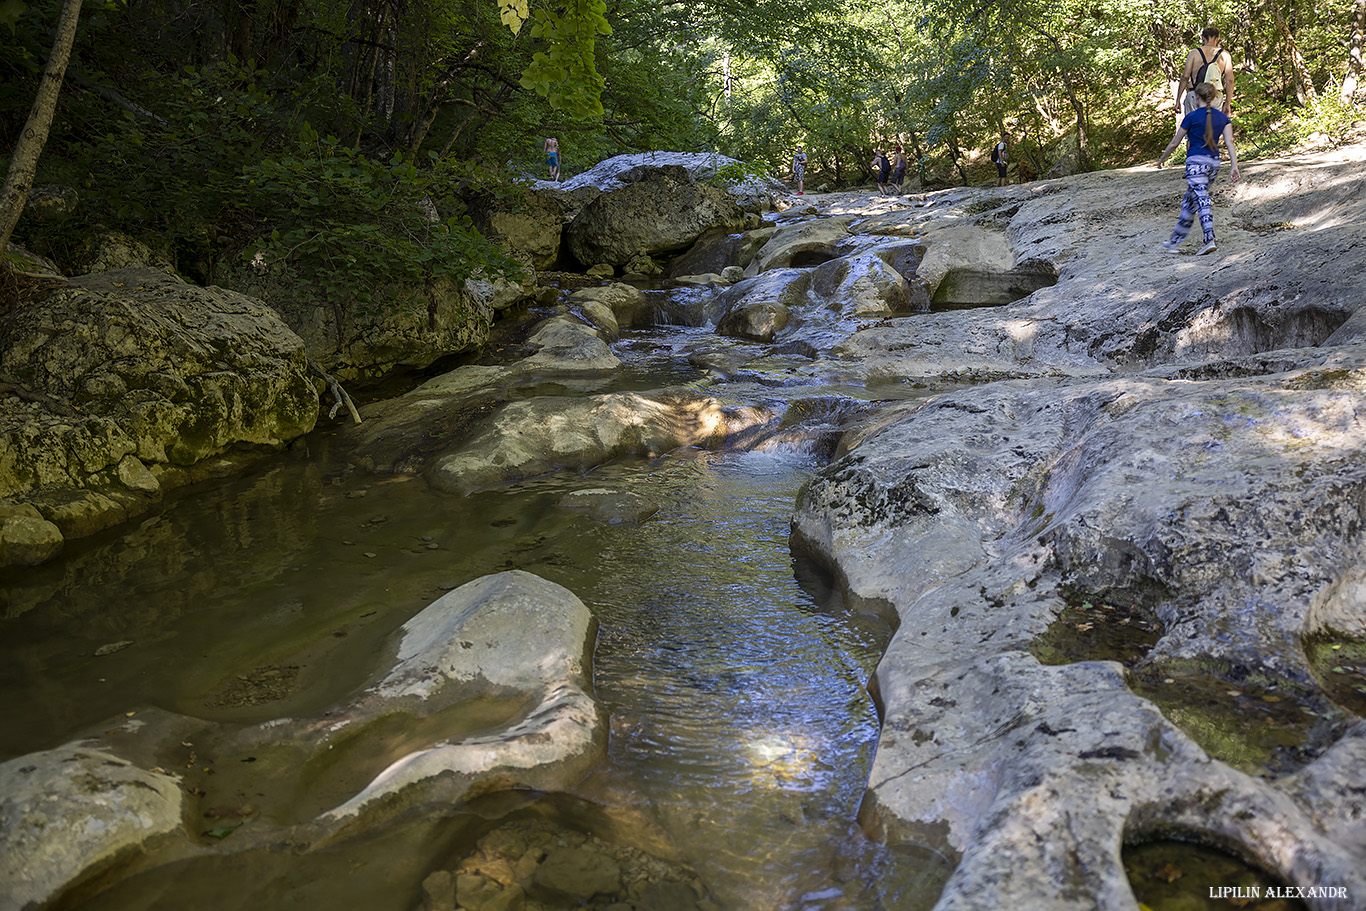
{"x":742,"y":730}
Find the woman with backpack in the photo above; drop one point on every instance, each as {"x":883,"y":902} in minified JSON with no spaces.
{"x":1203,"y":126}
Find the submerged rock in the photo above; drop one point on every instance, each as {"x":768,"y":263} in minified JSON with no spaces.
{"x":68,"y":812}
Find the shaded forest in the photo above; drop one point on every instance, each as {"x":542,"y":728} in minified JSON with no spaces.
{"x":320,"y":133}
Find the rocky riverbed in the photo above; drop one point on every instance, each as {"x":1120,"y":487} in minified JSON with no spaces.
{"x":1112,"y":495}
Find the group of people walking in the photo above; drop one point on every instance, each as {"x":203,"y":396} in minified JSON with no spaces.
{"x":1204,"y":103}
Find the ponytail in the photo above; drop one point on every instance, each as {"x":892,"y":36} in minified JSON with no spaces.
{"x":1205,"y":92}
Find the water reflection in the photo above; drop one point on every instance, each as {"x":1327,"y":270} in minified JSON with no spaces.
{"x":741,"y":724}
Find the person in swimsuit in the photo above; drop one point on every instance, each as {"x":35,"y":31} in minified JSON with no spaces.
{"x":898,"y":168}
{"x":552,"y":157}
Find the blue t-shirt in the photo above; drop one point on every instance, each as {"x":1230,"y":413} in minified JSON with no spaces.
{"x":1194,"y":125}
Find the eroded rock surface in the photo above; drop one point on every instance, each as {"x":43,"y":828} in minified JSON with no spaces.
{"x":125,"y":378}
{"x":1228,"y":506}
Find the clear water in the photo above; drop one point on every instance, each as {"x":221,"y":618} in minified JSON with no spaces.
{"x":741,"y":726}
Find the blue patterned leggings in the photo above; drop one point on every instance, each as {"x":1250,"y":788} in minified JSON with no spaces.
{"x":1200,"y":173}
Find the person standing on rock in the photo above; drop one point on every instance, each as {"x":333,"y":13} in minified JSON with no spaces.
{"x":552,"y":157}
{"x":799,"y":169}
{"x":1207,"y":63}
{"x":1201,"y":126}
{"x":882,"y":170}
{"x":1000,"y":156}
{"x":898,"y":169}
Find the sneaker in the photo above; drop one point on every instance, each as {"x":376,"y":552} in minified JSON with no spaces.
{"x":1170,"y":246}
{"x":1207,"y":248}
{"x":800,"y":193}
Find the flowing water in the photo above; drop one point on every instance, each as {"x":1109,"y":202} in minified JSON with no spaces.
{"x":741,"y":728}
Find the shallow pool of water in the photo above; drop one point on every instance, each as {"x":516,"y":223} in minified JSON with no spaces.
{"x":741,"y":727}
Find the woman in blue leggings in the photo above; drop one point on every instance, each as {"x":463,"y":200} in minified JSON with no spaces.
{"x":1201,"y":126}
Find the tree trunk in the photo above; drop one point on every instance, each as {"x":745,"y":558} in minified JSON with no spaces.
{"x":24,"y":162}
{"x":1304,"y":86}
{"x":1355,"y":67}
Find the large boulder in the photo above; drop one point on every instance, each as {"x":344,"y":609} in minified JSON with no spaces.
{"x":533,"y":229}
{"x":808,"y":243}
{"x":863,"y":285}
{"x":123,"y":372}
{"x":400,"y":326}
{"x":662,"y":212}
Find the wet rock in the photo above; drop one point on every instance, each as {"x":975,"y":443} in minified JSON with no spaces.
{"x":535,"y":436}
{"x":806,"y":244}
{"x":568,"y":346}
{"x":759,"y":308}
{"x":601,"y":317}
{"x":509,"y":633}
{"x":861,"y":286}
{"x":438,"y":892}
{"x":577,"y":874}
{"x":668,"y":896}
{"x":755,"y":320}
{"x":627,"y":303}
{"x":66,"y":812}
{"x":612,"y":507}
{"x":26,"y":538}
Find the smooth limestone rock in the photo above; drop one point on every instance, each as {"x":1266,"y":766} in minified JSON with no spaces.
{"x":534,"y":436}
{"x":511,"y":638}
{"x":1225,"y":505}
{"x":68,"y":812}
{"x":511,"y":632}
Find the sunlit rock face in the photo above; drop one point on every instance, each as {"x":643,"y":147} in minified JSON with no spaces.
{"x":538,"y":435}
{"x":131,"y":376}
{"x":1225,"y":501}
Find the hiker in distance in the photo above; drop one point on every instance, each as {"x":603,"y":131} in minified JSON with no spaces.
{"x":1000,"y":157}
{"x":1204,"y":127}
{"x":882,"y":170}
{"x":799,"y":169}
{"x":1207,"y":63}
{"x":552,"y":157}
{"x":898,"y":169}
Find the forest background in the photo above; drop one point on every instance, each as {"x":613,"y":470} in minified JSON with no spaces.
{"x":318,"y":135}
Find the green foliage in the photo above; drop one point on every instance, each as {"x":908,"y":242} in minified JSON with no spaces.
{"x":349,"y":225}
{"x":565,"y":73}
